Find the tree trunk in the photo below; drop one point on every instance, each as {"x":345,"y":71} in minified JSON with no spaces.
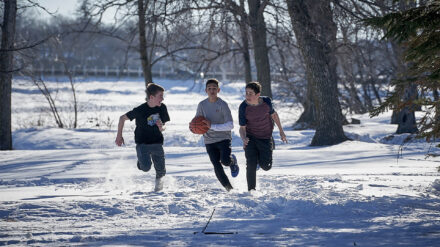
{"x":146,"y":65}
{"x":245,"y":44}
{"x":366,"y":95}
{"x":406,"y":118}
{"x":407,"y":121}
{"x":308,"y":119}
{"x":258,"y":30}
{"x":6,"y":68}
{"x":357,"y":105}
{"x":376,"y":92}
{"x":315,"y":32}
{"x":437,"y":108}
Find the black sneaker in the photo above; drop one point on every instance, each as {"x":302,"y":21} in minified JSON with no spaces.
{"x":234,"y":167}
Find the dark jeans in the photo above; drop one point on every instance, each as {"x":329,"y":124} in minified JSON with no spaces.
{"x":148,"y":152}
{"x":220,"y":154}
{"x":257,"y":151}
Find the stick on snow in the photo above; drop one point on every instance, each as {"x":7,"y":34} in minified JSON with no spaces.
{"x":206,"y":226}
{"x":203,"y":231}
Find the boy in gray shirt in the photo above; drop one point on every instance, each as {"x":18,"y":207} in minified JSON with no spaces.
{"x":218,"y":138}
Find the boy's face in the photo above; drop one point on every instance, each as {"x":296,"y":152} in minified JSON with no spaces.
{"x":212,"y":90}
{"x":251,"y":96}
{"x":157,"y":99}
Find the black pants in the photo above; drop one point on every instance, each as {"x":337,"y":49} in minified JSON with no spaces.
{"x":257,"y":151}
{"x":220,"y":154}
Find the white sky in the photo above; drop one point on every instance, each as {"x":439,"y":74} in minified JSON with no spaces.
{"x":63,"y":7}
{"x":67,"y":8}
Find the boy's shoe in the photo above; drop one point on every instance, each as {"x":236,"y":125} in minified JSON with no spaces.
{"x":253,"y":192}
{"x":234,"y":167}
{"x":159,"y":184}
{"x":228,"y":187}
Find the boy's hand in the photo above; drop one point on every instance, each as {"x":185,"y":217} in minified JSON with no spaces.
{"x":245,"y":141}
{"x":283,"y":137}
{"x":207,"y":122}
{"x":119,"y":140}
{"x":160,"y":125}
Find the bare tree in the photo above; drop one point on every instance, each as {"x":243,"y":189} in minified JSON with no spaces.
{"x":146,"y":65}
{"x":50,"y":100}
{"x":70,"y":75}
{"x":315,"y":32}
{"x":261,"y":53}
{"x":255,"y":21}
{"x":6,"y":69}
{"x":242,"y":20}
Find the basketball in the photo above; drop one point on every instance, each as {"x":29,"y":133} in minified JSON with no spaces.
{"x":197,"y":126}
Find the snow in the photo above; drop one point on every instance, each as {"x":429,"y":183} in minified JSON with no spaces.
{"x":74,"y":187}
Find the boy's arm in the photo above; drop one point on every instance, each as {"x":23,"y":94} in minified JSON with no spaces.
{"x":160,"y":125}
{"x":119,"y":139}
{"x":243,"y":136}
{"x":227,"y":115}
{"x":242,"y":122}
{"x":199,"y":111}
{"x":164,"y":117}
{"x":222,"y":127}
{"x":277,"y":121}
{"x":228,"y":125}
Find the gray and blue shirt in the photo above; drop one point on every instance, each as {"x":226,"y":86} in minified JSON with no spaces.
{"x":221,"y":120}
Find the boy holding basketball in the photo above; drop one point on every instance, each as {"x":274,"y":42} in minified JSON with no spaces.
{"x":150,"y":120}
{"x":256,"y":117}
{"x":218,"y":137}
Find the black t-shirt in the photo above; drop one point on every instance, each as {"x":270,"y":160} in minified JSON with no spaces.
{"x":146,"y":131}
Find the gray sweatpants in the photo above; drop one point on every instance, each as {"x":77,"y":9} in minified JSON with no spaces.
{"x":148,"y":152}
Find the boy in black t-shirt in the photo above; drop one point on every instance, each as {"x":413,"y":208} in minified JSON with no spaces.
{"x":150,"y":122}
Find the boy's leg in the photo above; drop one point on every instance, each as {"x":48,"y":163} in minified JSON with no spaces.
{"x":214,"y":155}
{"x":144,"y":157}
{"x":251,"y":153}
{"x":158,"y":156}
{"x":225,"y":152}
{"x":264,"y":147}
{"x":228,"y":159}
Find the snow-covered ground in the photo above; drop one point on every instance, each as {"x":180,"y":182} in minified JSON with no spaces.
{"x":66,"y":187}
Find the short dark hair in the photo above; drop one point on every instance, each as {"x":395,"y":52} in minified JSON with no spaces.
{"x":153,"y":89}
{"x":212,"y":81}
{"x":255,"y":86}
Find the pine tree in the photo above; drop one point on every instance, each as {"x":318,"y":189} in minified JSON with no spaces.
{"x":418,"y":31}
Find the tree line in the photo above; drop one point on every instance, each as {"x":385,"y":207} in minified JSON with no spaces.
{"x":327,"y":57}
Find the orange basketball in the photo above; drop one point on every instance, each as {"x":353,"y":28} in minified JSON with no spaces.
{"x":197,"y":126}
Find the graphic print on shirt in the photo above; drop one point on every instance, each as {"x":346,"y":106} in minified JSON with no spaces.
{"x":151,"y":120}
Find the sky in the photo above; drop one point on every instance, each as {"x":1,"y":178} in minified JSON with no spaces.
{"x":65,"y":7}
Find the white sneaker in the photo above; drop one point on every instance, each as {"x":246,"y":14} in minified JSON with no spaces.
{"x":159,"y":184}
{"x":254,"y":193}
